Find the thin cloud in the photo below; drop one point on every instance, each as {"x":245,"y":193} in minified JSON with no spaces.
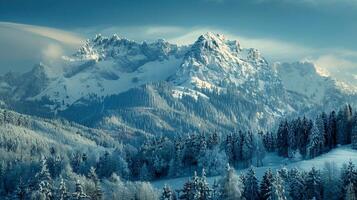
{"x":51,"y":33}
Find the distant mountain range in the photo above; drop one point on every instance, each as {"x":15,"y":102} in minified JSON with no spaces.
{"x":155,"y":88}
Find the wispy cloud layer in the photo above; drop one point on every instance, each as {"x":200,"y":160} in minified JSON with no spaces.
{"x":23,"y":46}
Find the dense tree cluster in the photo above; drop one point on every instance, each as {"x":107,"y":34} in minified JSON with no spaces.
{"x":329,"y":183}
{"x":161,"y":156}
{"x":306,"y":138}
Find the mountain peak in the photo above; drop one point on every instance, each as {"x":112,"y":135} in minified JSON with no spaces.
{"x":215,"y":41}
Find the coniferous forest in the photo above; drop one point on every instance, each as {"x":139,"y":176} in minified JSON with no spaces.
{"x":39,"y":168}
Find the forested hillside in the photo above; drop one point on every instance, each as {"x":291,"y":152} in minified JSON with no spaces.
{"x":49,"y":158}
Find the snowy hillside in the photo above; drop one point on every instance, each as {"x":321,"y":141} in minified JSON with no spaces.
{"x":338,"y":156}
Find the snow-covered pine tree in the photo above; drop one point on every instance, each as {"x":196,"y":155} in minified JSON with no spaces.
{"x":322,"y":124}
{"x":97,"y":194}
{"x":332,"y":130}
{"x":266,"y":185}
{"x":79,"y":193}
{"x":284,"y":175}
{"x":231,"y":185}
{"x":313,"y":184}
{"x":167,"y":194}
{"x":43,"y":183}
{"x":269,"y":141}
{"x":282,"y":139}
{"x":348,"y":176}
{"x":196,"y":189}
{"x":229,"y":148}
{"x":204,"y":189}
{"x":213,"y":140}
{"x":247,"y":148}
{"x":344,"y":119}
{"x":176,"y":165}
{"x":295,"y":184}
{"x":277,"y":191}
{"x":316,"y":142}
{"x":62,"y":192}
{"x":45,"y":191}
{"x":306,"y":126}
{"x":251,"y":187}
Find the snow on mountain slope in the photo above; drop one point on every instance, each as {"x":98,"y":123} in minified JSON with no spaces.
{"x":213,"y":62}
{"x":304,"y":79}
{"x":338,"y":156}
{"x":106,"y":66}
{"x":218,"y":73}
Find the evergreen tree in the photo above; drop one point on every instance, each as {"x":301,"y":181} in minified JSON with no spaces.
{"x":269,"y":141}
{"x":43,"y":175}
{"x":231,"y":186}
{"x":167,"y":194}
{"x":277,"y":191}
{"x":295,"y":183}
{"x":344,"y":125}
{"x":79,"y":193}
{"x":313,"y":184}
{"x":43,"y":183}
{"x":332,"y":129}
{"x":323,"y":126}
{"x":45,"y":191}
{"x":247,"y":148}
{"x":62,"y":193}
{"x":266,"y":185}
{"x":316,"y":142}
{"x":196,"y":189}
{"x":348,"y":176}
{"x":97,"y":193}
{"x":251,"y":188}
{"x":282,"y":140}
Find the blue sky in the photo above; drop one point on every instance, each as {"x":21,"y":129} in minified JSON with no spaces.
{"x":323,"y":31}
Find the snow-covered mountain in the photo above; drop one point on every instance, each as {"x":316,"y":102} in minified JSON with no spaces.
{"x":216,"y":63}
{"x":303,"y":79}
{"x":215,"y":83}
{"x":106,"y":66}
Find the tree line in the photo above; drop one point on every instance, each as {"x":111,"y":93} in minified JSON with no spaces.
{"x":329,"y":183}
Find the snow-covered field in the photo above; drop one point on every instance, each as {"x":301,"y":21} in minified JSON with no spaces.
{"x":338,"y":155}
